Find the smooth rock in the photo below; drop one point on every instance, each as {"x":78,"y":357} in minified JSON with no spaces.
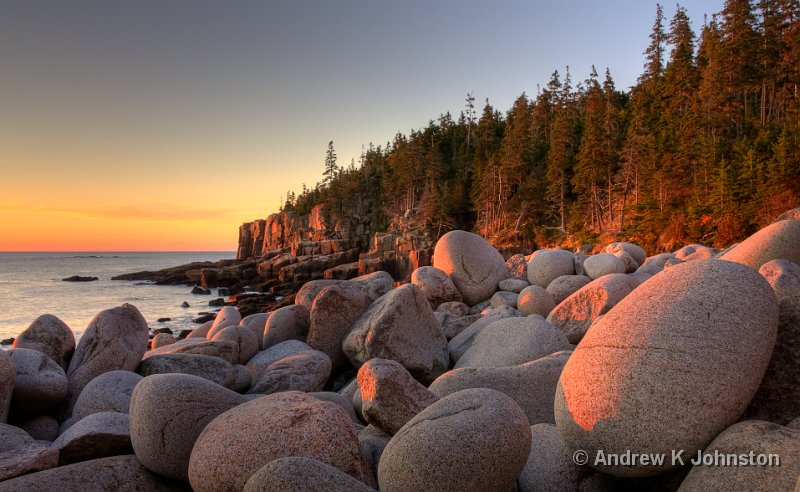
{"x":551,"y":467}
{"x":160,"y":340}
{"x":436,"y":285}
{"x":474,"y":265}
{"x":503,"y":298}
{"x":464,"y":340}
{"x":227,"y":316}
{"x":41,"y":428}
{"x":205,"y":366}
{"x":99,"y":435}
{"x":535,"y":300}
{"x":224,"y":349}
{"x":373,"y":441}
{"x":454,"y":325}
{"x":374,"y":285}
{"x":118,"y":473}
{"x":257,"y":324}
{"x":454,"y":308}
{"x":333,"y":313}
{"x":48,"y":335}
{"x":202,"y":330}
{"x":657,"y":263}
{"x":566,"y":285}
{"x":532,"y":384}
{"x":783,"y":276}
{"x":512,"y":285}
{"x":390,"y":396}
{"x":259,"y":362}
{"x":168,"y":412}
{"x":25,"y":459}
{"x":742,"y":439}
{"x":116,"y":339}
{"x":286,"y":323}
{"x":341,"y":400}
{"x":547,"y":265}
{"x":296,"y":473}
{"x":39,"y":384}
{"x":513,"y":341}
{"x":242,"y":336}
{"x":670,"y":366}
{"x":236,"y":444}
{"x":574,"y":315}
{"x":305,"y":371}
{"x":476,"y":439}
{"x":108,"y":392}
{"x":777,"y":241}
{"x":400,"y":326}
{"x":637,"y":253}
{"x":242,"y":379}
{"x":602,"y":264}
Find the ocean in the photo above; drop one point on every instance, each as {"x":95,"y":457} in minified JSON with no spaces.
{"x":31,"y":285}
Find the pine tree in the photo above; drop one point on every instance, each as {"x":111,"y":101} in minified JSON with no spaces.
{"x":331,"y":169}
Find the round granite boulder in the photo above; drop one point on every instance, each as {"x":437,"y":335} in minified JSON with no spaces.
{"x":777,"y":241}
{"x":48,"y":335}
{"x":474,"y":265}
{"x":547,"y":265}
{"x":39,"y":385}
{"x":670,"y":366}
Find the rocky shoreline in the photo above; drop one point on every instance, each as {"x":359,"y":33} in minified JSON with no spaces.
{"x":561,"y":370}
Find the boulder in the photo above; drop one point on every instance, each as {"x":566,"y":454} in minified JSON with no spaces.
{"x":202,"y":330}
{"x":116,"y":339}
{"x":535,"y":300}
{"x":373,"y":441}
{"x":303,"y":371}
{"x":474,"y":265}
{"x":736,"y":444}
{"x":333,"y":313}
{"x":566,"y":285}
{"x":463,"y":341}
{"x":454,"y":325}
{"x":669,"y":367}
{"x":242,"y":379}
{"x":476,"y":439}
{"x":455,"y":308}
{"x":224,"y":349}
{"x":574,"y":315}
{"x":637,"y":253}
{"x":783,"y":276}
{"x":512,"y":285}
{"x":374,"y":285}
{"x":503,"y":298}
{"x":341,"y":400}
{"x":227,"y":316}
{"x":108,"y":392}
{"x":702,"y":253}
{"x":168,"y":412}
{"x":205,"y":366}
{"x":41,"y":428}
{"x":259,"y":362}
{"x":48,"y":335}
{"x":532,"y":384}
{"x":239,"y":442}
{"x":789,"y":214}
{"x":39,"y":384}
{"x":390,"y":396}
{"x":7,"y":374}
{"x":121,"y":473}
{"x":657,"y":263}
{"x":286,"y":323}
{"x":99,"y":435}
{"x":400,"y":326}
{"x":160,"y":340}
{"x":20,"y":454}
{"x":243,"y":337}
{"x":602,"y":264}
{"x":547,"y":265}
{"x":551,"y":466}
{"x":513,"y":341}
{"x":779,"y":240}
{"x":517,"y":267}
{"x":778,"y":397}
{"x":305,"y":296}
{"x":436,"y":285}
{"x":257,"y":324}
{"x":295,"y":473}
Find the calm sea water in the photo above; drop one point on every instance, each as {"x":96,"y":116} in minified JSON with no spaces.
{"x":31,"y":285}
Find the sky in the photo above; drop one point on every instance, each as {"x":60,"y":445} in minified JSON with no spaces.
{"x":162,"y":125}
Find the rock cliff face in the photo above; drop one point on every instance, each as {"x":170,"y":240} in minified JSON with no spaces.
{"x":292,"y":247}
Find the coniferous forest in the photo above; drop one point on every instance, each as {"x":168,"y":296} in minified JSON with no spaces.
{"x":705,"y":148}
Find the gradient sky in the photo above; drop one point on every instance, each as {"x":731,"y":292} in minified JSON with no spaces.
{"x":164,"y":124}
